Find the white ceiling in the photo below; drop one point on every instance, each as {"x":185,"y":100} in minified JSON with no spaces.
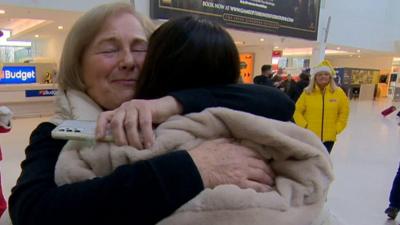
{"x":253,"y":39}
{"x":28,"y":22}
{"x":45,"y":23}
{"x":296,"y":46}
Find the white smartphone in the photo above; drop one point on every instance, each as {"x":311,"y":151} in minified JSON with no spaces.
{"x":83,"y":130}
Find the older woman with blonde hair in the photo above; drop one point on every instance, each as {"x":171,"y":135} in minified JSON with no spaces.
{"x":323,"y":107}
{"x":100,"y":65}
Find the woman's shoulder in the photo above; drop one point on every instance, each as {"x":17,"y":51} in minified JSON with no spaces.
{"x":339,"y":91}
{"x":44,"y":127}
{"x":43,"y":130}
{"x":41,"y":142}
{"x":312,"y":93}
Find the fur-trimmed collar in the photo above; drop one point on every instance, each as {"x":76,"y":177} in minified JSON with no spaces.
{"x":74,"y":105}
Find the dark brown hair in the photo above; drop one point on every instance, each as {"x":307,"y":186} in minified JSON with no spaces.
{"x":187,"y":52}
{"x":265,"y":68}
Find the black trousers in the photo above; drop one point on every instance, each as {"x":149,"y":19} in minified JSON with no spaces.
{"x":329,"y":145}
{"x":395,"y":192}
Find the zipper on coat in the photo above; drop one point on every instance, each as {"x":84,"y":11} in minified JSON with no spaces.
{"x":323,"y":114}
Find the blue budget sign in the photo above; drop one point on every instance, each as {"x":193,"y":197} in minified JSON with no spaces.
{"x":40,"y":93}
{"x":18,"y":75}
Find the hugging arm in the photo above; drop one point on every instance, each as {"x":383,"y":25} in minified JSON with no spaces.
{"x":143,"y":193}
{"x":260,"y":100}
{"x":137,"y":116}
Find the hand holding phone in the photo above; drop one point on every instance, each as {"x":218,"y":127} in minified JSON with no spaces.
{"x":83,"y":130}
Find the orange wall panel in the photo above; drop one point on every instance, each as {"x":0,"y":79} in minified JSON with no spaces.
{"x":247,"y":67}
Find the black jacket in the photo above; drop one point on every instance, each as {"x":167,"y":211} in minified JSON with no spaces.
{"x":299,"y":87}
{"x":263,"y":80}
{"x":141,"y":193}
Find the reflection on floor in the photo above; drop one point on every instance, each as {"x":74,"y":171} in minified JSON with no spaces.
{"x":365,"y":159}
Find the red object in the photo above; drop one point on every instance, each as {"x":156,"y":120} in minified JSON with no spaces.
{"x":277,"y":53}
{"x":1,"y":33}
{"x":4,"y":129}
{"x":3,"y":203}
{"x":388,"y":110}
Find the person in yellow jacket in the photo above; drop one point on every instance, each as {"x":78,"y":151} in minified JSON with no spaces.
{"x":323,"y":107}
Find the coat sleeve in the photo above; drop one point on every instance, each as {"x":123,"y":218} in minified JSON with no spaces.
{"x":343,"y":112}
{"x":298,"y":116}
{"x":260,"y":100}
{"x":141,"y":193}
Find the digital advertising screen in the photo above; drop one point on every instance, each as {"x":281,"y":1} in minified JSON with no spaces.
{"x":291,"y":18}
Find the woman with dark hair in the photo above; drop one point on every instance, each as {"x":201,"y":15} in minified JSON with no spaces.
{"x":174,"y":49}
{"x":185,"y":53}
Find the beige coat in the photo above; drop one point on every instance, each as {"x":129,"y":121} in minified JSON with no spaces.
{"x":301,"y":162}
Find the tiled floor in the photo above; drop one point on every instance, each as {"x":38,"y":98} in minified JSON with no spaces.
{"x":13,"y":146}
{"x":365,"y":159}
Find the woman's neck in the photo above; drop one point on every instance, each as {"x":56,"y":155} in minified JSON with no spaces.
{"x":322,"y":87}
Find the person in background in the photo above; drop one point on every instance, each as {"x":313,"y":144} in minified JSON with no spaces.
{"x":394,"y":197}
{"x":277,"y":78}
{"x":265,"y":77}
{"x":99,"y":67}
{"x":323,"y":107}
{"x":5,"y":126}
{"x":300,"y":85}
{"x":289,"y":86}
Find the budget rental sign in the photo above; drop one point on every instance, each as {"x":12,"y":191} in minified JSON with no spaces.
{"x":18,"y":75}
{"x":40,"y":93}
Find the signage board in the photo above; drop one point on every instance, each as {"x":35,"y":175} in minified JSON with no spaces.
{"x":40,"y":93}
{"x":280,"y":17}
{"x":18,"y":75}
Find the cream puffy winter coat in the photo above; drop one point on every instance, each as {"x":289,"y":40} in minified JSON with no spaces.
{"x":297,"y":156}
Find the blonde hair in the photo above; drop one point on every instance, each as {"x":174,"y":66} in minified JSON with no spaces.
{"x":81,"y":36}
{"x":311,"y":86}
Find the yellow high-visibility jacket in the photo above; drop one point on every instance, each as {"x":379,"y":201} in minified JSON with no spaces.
{"x":323,"y":112}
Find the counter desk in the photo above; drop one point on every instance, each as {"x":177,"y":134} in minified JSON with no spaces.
{"x":29,"y":100}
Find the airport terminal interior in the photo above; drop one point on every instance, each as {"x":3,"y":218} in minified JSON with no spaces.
{"x":360,"y":38}
{"x":365,"y":160}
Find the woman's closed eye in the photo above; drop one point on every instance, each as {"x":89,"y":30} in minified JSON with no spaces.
{"x":108,"y":51}
{"x":139,"y":47}
{"x":139,"y":50}
{"x":107,"y":48}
